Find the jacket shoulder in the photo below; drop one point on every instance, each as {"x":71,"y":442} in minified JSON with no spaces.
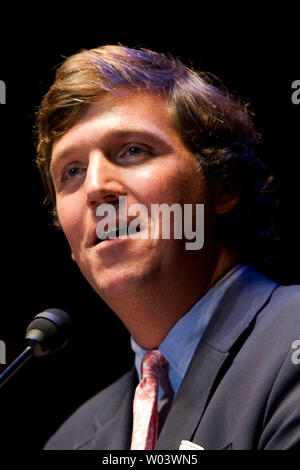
{"x":83,"y":422}
{"x":285,"y":303}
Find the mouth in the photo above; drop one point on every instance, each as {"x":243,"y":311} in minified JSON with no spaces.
{"x":112,"y":235}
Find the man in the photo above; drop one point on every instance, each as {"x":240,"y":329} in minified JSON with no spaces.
{"x":139,"y":125}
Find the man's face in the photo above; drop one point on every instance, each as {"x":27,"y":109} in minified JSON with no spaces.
{"x":126,"y":145}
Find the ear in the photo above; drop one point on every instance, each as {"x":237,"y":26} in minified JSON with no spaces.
{"x":227,"y":195}
{"x":73,"y":257}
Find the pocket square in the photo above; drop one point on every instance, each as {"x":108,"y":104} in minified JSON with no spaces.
{"x":188,"y":445}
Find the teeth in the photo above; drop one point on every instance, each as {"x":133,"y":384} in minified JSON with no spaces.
{"x":111,"y":234}
{"x":134,"y":230}
{"x":116,"y":233}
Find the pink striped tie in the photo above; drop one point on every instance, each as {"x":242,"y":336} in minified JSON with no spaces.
{"x":145,"y":414}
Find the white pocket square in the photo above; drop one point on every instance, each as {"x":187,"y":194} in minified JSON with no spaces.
{"x":188,"y":445}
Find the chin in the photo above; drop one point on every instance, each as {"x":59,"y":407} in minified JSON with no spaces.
{"x":116,"y":285}
{"x":123,"y":278}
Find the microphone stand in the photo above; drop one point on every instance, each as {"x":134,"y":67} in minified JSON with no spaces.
{"x":48,"y":332}
{"x":18,"y":362}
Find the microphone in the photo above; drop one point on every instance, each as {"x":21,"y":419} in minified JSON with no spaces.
{"x":47,"y":333}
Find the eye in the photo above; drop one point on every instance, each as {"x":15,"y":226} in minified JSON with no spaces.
{"x":72,"y":172}
{"x":134,"y":150}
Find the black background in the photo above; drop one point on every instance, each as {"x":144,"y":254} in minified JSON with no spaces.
{"x":37,"y":270}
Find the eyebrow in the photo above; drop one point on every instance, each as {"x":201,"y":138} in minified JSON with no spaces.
{"x":131,"y":131}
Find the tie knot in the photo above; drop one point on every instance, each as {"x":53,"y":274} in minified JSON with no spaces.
{"x":154,"y":364}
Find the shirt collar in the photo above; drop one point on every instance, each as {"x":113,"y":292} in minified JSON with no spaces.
{"x":179,"y":345}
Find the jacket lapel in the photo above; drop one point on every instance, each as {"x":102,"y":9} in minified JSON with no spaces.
{"x":115,"y":432}
{"x":190,"y":401}
{"x":232,"y":321}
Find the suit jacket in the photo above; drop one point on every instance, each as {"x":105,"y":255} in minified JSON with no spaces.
{"x":241,"y":390}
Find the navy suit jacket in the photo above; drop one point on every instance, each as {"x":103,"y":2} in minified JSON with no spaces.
{"x":241,"y":390}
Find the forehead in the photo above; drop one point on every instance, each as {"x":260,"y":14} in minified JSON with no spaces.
{"x":124,"y":111}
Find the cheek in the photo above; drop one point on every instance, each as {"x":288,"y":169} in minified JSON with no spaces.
{"x":70,"y":220}
{"x":173,"y":183}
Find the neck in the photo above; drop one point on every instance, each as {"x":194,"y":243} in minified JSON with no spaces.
{"x":150,"y":315}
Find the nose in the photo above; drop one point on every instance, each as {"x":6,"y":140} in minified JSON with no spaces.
{"x":102,"y":181}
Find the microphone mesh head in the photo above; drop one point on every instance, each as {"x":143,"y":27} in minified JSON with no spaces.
{"x":46,"y":326}
{"x":48,"y":331}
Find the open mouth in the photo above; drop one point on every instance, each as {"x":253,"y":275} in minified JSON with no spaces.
{"x":113,"y":234}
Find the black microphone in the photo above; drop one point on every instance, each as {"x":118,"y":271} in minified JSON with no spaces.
{"x":47,"y":333}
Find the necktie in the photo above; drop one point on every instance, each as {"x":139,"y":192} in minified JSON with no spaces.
{"x":145,"y":413}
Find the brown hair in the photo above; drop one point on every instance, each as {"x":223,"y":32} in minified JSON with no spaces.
{"x":216,"y":126}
